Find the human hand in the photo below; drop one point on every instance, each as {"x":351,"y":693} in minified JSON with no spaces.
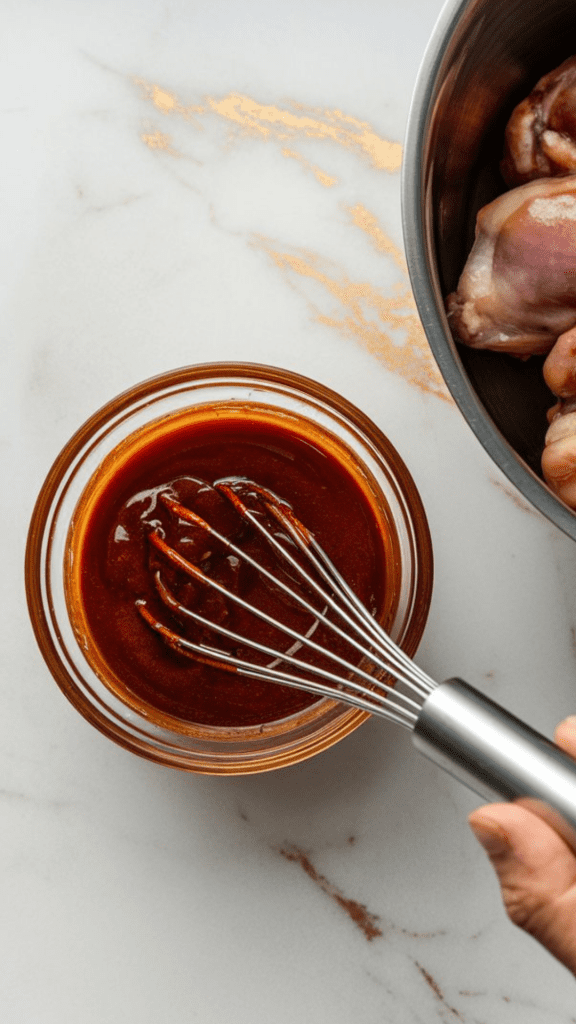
{"x":535,"y":867}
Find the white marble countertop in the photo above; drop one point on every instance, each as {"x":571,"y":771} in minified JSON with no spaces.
{"x":183,"y":182}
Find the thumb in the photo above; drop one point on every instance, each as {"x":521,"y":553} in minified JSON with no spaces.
{"x":537,"y":875}
{"x":565,"y":735}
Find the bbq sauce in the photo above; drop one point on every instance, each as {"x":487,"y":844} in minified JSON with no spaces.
{"x":112,"y":564}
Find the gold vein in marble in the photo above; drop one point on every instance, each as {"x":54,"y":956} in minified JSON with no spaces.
{"x":324,"y":179}
{"x":388,"y":326}
{"x":283,"y":123}
{"x":294,"y":120}
{"x":167,"y":102}
{"x":156,"y":139}
{"x":366,"y":221}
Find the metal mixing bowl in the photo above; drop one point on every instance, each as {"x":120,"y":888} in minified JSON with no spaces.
{"x":484,"y":56}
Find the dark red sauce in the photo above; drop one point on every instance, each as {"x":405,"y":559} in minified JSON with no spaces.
{"x":114,"y":561}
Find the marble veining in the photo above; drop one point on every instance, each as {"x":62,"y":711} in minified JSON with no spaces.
{"x":384,"y":320}
{"x":364,"y":919}
{"x":282,"y":124}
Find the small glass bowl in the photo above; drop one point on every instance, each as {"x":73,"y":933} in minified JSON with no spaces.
{"x":202,"y":748}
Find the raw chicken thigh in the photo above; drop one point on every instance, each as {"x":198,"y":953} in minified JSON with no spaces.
{"x":559,"y":455}
{"x":560,"y":367}
{"x":517,"y":292}
{"x":540,"y":136}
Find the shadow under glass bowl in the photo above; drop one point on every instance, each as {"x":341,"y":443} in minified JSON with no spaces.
{"x":482,"y":59}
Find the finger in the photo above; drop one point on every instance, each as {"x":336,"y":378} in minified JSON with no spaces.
{"x":524,"y":849}
{"x":565,"y":735}
{"x":537,"y":875}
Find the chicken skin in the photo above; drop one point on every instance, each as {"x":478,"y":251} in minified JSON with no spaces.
{"x":517,"y":292}
{"x":560,"y":367}
{"x":559,"y":455}
{"x":540,"y":139}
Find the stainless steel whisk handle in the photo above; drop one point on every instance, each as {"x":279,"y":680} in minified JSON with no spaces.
{"x":496,"y":755}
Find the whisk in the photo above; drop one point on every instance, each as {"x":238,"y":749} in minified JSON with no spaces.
{"x":453,"y":724}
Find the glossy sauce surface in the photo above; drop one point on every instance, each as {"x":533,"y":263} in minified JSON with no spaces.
{"x":115,"y":563}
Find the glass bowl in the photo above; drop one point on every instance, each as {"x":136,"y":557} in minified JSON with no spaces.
{"x":365,"y":452}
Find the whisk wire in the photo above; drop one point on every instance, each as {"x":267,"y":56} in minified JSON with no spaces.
{"x":371,"y":631}
{"x":347,"y":690}
{"x":363,"y":632}
{"x":171,"y":602}
{"x":185,"y":513}
{"x":390,"y":663}
{"x":395,"y":661}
